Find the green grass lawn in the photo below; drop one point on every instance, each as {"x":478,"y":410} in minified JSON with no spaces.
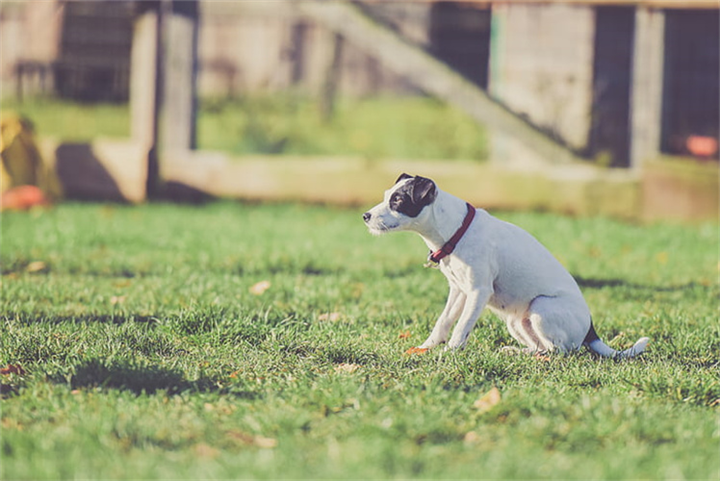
{"x":374,"y":128}
{"x":141,"y":351}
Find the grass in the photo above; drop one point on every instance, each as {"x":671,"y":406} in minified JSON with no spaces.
{"x":141,"y":353}
{"x":374,"y":128}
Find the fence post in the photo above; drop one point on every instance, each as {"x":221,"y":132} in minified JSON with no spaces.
{"x":647,"y":85}
{"x":144,"y":85}
{"x":179,"y":108}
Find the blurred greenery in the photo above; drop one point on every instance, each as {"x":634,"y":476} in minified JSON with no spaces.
{"x":375,"y":128}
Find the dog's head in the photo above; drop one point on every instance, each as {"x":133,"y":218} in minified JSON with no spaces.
{"x":403,"y":207}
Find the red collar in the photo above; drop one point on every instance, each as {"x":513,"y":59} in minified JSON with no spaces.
{"x":449,"y":246}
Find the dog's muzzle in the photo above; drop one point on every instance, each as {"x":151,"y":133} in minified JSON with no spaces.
{"x":367,"y":216}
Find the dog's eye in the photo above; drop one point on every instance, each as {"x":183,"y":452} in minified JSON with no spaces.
{"x":397,"y":199}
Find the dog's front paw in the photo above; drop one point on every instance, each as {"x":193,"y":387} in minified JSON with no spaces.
{"x":416,"y":350}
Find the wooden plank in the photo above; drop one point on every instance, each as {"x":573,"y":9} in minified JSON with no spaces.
{"x":579,"y":189}
{"x":104,"y":169}
{"x":144,"y":79}
{"x":179,"y":107}
{"x":647,"y":86}
{"x":145,"y":88}
{"x":429,"y":74}
{"x":674,"y":4}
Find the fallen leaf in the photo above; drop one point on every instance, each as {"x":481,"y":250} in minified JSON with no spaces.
{"x":117,"y":300}
{"x":471,"y":437}
{"x":35,"y":266}
{"x":416,"y":350}
{"x":206,"y":451}
{"x":240,"y":436}
{"x":488,"y":400}
{"x":346,"y":367}
{"x":265,"y":443}
{"x":260,"y":287}
{"x":329,"y":316}
{"x":404,"y":335}
{"x":12,"y":369}
{"x":250,"y":440}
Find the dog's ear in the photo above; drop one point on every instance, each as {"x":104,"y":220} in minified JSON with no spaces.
{"x":403,"y":177}
{"x":423,"y":191}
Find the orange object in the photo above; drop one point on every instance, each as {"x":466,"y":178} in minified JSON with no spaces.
{"x":702,"y":146}
{"x":416,"y":350}
{"x":23,"y":197}
{"x":12,"y":369}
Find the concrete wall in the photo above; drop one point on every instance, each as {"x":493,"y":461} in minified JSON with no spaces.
{"x":256,"y":46}
{"x":27,"y":32}
{"x":541,"y":66}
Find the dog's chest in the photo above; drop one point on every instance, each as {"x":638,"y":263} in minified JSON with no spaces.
{"x":457,"y":274}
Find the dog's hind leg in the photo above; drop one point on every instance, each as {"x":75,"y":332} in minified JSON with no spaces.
{"x":560,"y":323}
{"x":521,"y":328}
{"x":453,"y":307}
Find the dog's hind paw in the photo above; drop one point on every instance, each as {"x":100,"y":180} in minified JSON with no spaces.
{"x":416,"y":350}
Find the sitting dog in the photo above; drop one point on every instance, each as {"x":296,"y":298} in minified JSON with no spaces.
{"x":491,"y":263}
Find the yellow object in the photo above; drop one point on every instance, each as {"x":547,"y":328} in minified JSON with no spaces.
{"x":21,"y":160}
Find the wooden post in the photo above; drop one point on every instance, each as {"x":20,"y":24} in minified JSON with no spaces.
{"x":144,"y":85}
{"x":647,"y":85}
{"x":332,"y":79}
{"x":179,"y":107}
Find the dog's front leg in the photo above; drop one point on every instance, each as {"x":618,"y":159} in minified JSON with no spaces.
{"x":476,"y":300}
{"x":453,"y":308}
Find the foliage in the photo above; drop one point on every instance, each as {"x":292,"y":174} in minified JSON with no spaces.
{"x":374,"y":128}
{"x":138,"y":342}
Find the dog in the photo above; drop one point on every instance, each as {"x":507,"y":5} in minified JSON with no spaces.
{"x":489,"y":262}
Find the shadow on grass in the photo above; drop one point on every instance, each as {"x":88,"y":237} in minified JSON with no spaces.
{"x":593,"y":283}
{"x":124,"y":375}
{"x":632,"y":289}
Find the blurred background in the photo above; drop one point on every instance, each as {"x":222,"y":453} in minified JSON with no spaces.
{"x":585,"y":107}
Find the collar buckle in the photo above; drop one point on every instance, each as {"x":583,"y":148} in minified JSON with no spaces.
{"x":431,"y":263}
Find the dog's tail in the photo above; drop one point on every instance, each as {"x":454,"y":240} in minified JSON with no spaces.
{"x":595,"y":344}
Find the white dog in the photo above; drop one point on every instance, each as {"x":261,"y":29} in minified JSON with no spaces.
{"x":490,"y":263}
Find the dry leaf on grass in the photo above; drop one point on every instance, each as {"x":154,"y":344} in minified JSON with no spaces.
{"x":404,"y":335}
{"x":265,"y":443}
{"x":12,"y":369}
{"x":260,"y":287}
{"x":329,"y":316}
{"x":205,"y":451}
{"x":35,"y":266}
{"x":117,"y":300}
{"x":346,"y":367}
{"x":416,"y":350}
{"x":489,"y":400}
{"x":250,"y":440}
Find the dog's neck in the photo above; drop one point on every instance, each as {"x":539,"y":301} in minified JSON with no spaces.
{"x":446,"y":216}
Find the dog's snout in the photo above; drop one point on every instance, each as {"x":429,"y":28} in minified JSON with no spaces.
{"x":367,"y":216}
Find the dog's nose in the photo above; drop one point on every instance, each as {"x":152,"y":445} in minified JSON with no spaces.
{"x":367,"y":216}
